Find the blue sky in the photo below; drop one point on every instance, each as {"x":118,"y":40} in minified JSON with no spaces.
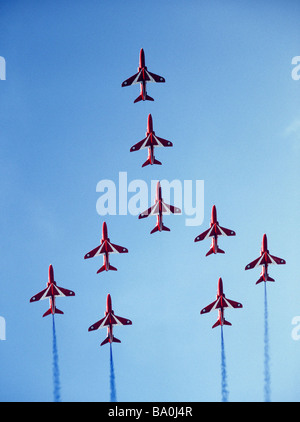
{"x":232,"y":111}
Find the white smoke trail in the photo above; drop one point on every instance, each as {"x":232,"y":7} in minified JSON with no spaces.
{"x":113,"y":393}
{"x":56,"y":381}
{"x":267,"y":378}
{"x":223,"y":370}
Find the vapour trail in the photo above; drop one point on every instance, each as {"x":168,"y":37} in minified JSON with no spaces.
{"x":223,"y":370}
{"x":113,"y":394}
{"x":56,"y":381}
{"x":267,"y":378}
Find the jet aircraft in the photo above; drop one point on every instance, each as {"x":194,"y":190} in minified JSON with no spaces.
{"x":105,"y":248}
{"x":265,"y":259}
{"x":159,"y":208}
{"x":143,"y":76}
{"x":151,"y":141}
{"x":51,"y":292}
{"x":220,"y":303}
{"x":109,"y":321}
{"x":214,"y":231}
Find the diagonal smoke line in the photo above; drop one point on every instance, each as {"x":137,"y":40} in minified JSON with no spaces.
{"x":113,"y":393}
{"x":223,"y":370}
{"x":267,"y":378}
{"x":56,"y":381}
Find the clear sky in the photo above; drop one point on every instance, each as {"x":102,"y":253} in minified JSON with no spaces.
{"x":232,"y":110}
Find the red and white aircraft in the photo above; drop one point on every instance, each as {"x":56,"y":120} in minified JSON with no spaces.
{"x":151,"y":141}
{"x":214,"y":231}
{"x":220,"y":304}
{"x":109,"y":320}
{"x":265,"y":259}
{"x":105,"y":248}
{"x":143,"y":76}
{"x":159,"y":208}
{"x":51,"y":292}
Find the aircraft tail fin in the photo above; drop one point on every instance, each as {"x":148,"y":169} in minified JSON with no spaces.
{"x":154,"y":230}
{"x":263,"y":279}
{"x":56,"y":311}
{"x":103,"y":268}
{"x":115,"y":340}
{"x":216,"y":324}
{"x":224,"y":323}
{"x":47,"y":312}
{"x":104,"y":341}
{"x":147,"y":162}
{"x":140,"y":98}
{"x":166,"y":229}
{"x":210,"y":252}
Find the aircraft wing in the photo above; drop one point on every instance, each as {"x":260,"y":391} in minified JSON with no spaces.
{"x":150,"y":211}
{"x":94,"y":252}
{"x":117,"y":248}
{"x":40,"y":296}
{"x":166,"y":208}
{"x":151,"y":140}
{"x":144,"y":143}
{"x":132,"y":80}
{"x":226,"y":232}
{"x":211,"y":307}
{"x":160,"y":142}
{"x":254,"y":263}
{"x":231,"y":303}
{"x":276,"y":260}
{"x":99,"y":324}
{"x":214,"y":230}
{"x":64,"y":292}
{"x":203,"y":235}
{"x":117,"y":320}
{"x":155,"y":78}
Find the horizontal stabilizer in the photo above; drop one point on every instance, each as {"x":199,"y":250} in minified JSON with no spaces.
{"x":154,"y":230}
{"x":216,"y":324}
{"x":210,"y":252}
{"x":166,"y":229}
{"x":104,"y":269}
{"x":139,"y":98}
{"x":147,"y":162}
{"x":47,"y":312}
{"x":104,"y":341}
{"x":116,"y":340}
{"x":220,"y":250}
{"x":263,"y":279}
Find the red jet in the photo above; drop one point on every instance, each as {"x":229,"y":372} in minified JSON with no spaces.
{"x":159,"y":208}
{"x":214,"y":231}
{"x":52,"y":291}
{"x":143,"y":76}
{"x":151,"y":141}
{"x":265,"y":259}
{"x":220,"y":304}
{"x":109,"y":320}
{"x":105,"y":248}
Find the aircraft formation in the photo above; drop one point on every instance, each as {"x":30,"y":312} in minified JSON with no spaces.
{"x":106,"y":247}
